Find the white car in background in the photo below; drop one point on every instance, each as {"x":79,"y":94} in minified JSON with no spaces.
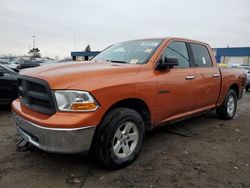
{"x":248,"y":78}
{"x":247,"y":69}
{"x":10,"y":64}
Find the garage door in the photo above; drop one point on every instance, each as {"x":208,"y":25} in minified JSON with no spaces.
{"x":235,"y":60}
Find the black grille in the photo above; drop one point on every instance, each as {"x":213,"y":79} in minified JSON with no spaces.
{"x":36,"y":95}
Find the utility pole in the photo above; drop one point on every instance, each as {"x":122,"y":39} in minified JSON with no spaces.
{"x":34,"y":46}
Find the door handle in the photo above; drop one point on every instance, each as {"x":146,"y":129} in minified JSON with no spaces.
{"x":216,"y":75}
{"x":190,"y":77}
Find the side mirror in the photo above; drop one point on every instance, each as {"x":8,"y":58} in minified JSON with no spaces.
{"x":167,"y":63}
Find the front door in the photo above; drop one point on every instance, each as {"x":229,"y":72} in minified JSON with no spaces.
{"x":175,"y":95}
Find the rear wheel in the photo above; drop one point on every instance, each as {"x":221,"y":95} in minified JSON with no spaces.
{"x":229,"y":106}
{"x":119,"y":138}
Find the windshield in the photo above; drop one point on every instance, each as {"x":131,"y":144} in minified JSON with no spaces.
{"x":131,"y":52}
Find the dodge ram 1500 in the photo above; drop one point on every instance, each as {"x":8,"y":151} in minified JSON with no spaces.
{"x":107,"y":105}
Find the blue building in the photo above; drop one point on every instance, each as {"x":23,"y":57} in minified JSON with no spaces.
{"x":82,"y":55}
{"x":233,"y":56}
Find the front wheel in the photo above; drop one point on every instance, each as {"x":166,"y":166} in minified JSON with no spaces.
{"x":119,"y":138}
{"x":229,"y":106}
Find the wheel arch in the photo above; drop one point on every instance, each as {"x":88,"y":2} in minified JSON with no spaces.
{"x":236,"y":89}
{"x":136,"y":104}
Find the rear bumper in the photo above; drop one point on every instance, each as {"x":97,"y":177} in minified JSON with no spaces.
{"x":57,"y":140}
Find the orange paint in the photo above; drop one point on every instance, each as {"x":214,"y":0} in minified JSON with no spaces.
{"x":110,"y":83}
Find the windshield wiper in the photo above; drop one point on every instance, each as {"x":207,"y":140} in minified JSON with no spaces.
{"x":116,"y":61}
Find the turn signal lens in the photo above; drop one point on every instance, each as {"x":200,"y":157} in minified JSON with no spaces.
{"x":83,"y":106}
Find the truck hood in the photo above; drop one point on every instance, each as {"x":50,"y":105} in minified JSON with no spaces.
{"x":86,"y":74}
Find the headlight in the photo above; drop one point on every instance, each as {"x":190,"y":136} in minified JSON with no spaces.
{"x":70,"y":100}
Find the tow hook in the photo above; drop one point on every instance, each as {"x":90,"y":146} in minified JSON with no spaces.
{"x":22,"y":145}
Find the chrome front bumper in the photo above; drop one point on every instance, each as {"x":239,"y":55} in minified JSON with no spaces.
{"x":57,"y":140}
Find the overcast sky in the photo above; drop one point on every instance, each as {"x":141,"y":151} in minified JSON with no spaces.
{"x":61,"y":26}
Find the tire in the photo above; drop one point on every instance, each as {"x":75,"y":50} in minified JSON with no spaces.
{"x":247,"y":88}
{"x":115,"y":142}
{"x":229,"y":106}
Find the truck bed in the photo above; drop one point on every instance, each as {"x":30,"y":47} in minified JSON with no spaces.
{"x":229,"y":77}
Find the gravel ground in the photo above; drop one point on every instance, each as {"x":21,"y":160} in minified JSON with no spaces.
{"x":215,"y":154}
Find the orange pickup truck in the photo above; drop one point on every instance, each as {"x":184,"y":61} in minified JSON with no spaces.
{"x":108,"y":104}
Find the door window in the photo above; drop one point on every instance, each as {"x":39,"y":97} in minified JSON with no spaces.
{"x":178,"y":50}
{"x":201,"y":55}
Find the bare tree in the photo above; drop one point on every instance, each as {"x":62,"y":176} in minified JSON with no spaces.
{"x":34,"y":53}
{"x":88,"y":49}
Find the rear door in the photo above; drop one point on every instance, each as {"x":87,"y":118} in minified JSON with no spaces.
{"x":207,"y":77}
{"x":175,"y":85}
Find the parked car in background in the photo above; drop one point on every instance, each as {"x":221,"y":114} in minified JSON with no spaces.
{"x":108,"y":104}
{"x":4,"y":62}
{"x":27,"y":62}
{"x":247,"y":70}
{"x":10,"y":64}
{"x":5,"y":59}
{"x":248,"y":78}
{"x":47,"y":61}
{"x":23,"y":62}
{"x":8,"y":85}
